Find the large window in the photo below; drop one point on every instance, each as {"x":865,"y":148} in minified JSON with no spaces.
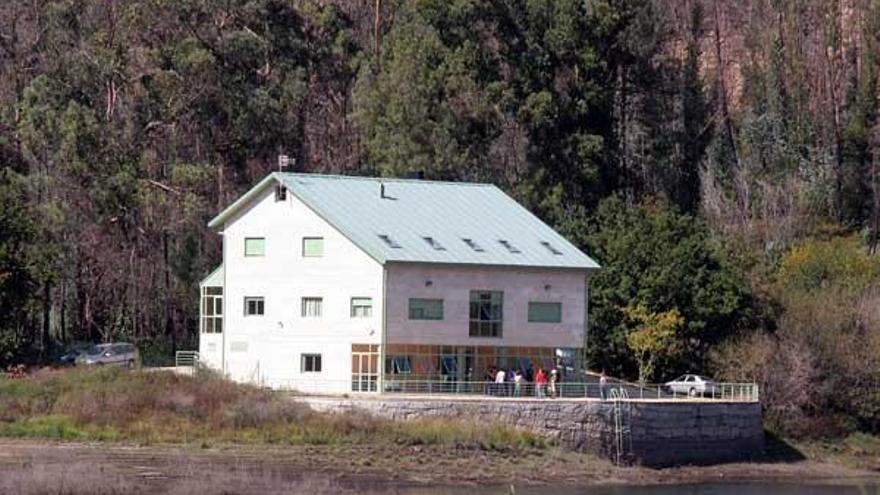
{"x":361,"y":307}
{"x":545,"y":312}
{"x":310,"y":363}
{"x":255,"y":246}
{"x":486,"y":313}
{"x":212,"y":310}
{"x":313,"y":247}
{"x":425,"y":309}
{"x":254,"y":306}
{"x":311,"y":307}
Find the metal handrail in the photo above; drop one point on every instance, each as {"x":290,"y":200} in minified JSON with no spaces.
{"x":730,"y":392}
{"x":185,"y":359}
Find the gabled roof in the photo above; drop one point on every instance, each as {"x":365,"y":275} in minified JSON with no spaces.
{"x":427,"y":221}
{"x":214,"y":279}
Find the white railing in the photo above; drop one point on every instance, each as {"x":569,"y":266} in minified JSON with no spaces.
{"x":730,"y":392}
{"x":186,"y":359}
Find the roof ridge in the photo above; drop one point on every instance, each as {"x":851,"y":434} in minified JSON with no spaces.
{"x":383,"y":179}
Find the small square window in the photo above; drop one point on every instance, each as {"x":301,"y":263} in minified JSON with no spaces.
{"x":311,"y":307}
{"x":255,"y":246}
{"x":310,"y":363}
{"x":254,"y":306}
{"x":313,"y":247}
{"x":545,"y":312}
{"x":425,"y":309}
{"x":361,"y":307}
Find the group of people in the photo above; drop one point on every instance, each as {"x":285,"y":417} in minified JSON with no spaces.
{"x":515,"y":383}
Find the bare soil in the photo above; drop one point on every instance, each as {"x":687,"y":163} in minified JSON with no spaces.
{"x":38,"y":467}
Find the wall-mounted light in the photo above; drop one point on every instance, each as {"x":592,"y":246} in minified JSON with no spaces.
{"x":429,"y":283}
{"x":547,"y":286}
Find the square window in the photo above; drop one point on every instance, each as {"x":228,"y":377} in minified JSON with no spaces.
{"x":311,"y":307}
{"x":361,"y":307}
{"x":425,"y":309}
{"x":255,"y":246}
{"x":310,"y":363}
{"x":545,"y":312}
{"x":313,"y":247}
{"x":254,"y":306}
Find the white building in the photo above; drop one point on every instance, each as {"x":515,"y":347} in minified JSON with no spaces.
{"x":327,"y":281}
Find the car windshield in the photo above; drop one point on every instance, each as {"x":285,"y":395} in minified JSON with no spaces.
{"x":96,"y":349}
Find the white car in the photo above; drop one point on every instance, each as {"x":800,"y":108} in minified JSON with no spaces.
{"x":692,"y":385}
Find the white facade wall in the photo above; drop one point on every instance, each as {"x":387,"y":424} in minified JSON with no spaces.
{"x":454,"y":283}
{"x":266,"y":349}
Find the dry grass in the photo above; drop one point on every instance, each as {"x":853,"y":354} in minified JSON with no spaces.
{"x":151,"y":407}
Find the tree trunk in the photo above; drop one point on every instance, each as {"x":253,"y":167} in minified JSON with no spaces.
{"x":722,"y":89}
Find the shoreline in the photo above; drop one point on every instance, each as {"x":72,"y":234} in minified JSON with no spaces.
{"x":37,"y":466}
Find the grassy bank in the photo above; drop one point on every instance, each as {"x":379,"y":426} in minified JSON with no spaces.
{"x":160,"y":407}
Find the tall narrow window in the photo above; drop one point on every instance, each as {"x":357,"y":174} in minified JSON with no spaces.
{"x":486,"y":313}
{"x":212,"y":310}
{"x":425,"y":309}
{"x":255,"y":246}
{"x":311,"y":307}
{"x":313,"y":247}
{"x":310,"y":363}
{"x":361,"y":307}
{"x":254,"y":306}
{"x":545,"y":312}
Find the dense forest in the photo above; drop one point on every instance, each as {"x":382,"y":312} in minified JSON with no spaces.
{"x":718,"y":158}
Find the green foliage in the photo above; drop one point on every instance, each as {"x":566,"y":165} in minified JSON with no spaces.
{"x":654,"y":338}
{"x":840,"y":262}
{"x":664,"y":261}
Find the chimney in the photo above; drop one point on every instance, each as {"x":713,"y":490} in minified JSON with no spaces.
{"x":382,"y":190}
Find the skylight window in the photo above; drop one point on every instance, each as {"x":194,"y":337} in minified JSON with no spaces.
{"x":434,"y":243}
{"x":473,"y":245}
{"x":507,"y":245}
{"x":551,"y":248}
{"x":389,"y":241}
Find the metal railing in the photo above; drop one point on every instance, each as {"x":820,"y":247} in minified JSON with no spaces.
{"x":184,"y":359}
{"x":731,"y":392}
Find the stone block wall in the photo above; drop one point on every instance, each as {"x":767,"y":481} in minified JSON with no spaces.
{"x":656,"y":433}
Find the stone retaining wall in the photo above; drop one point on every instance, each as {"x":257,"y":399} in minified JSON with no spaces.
{"x":660,"y":433}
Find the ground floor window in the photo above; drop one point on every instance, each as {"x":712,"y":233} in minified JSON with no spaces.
{"x":254,"y":306}
{"x":364,"y":367}
{"x":311,"y":363}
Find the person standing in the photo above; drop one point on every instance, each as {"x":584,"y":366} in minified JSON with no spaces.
{"x":603,"y":382}
{"x":499,"y":381}
{"x":551,"y":387}
{"x":540,"y":383}
{"x":517,"y":384}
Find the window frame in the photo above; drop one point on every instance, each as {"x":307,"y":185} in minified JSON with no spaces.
{"x":479,"y":327}
{"x":315,"y":359}
{"x":261,"y":254}
{"x":424,"y":300}
{"x":353,"y":307}
{"x":534,"y":304}
{"x":255,"y":299}
{"x":312,"y":238}
{"x":306,"y":299}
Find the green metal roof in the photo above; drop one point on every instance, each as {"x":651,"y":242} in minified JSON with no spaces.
{"x":214,"y":279}
{"x":429,"y":221}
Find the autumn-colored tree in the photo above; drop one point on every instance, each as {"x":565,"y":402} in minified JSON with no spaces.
{"x":654,"y":339}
